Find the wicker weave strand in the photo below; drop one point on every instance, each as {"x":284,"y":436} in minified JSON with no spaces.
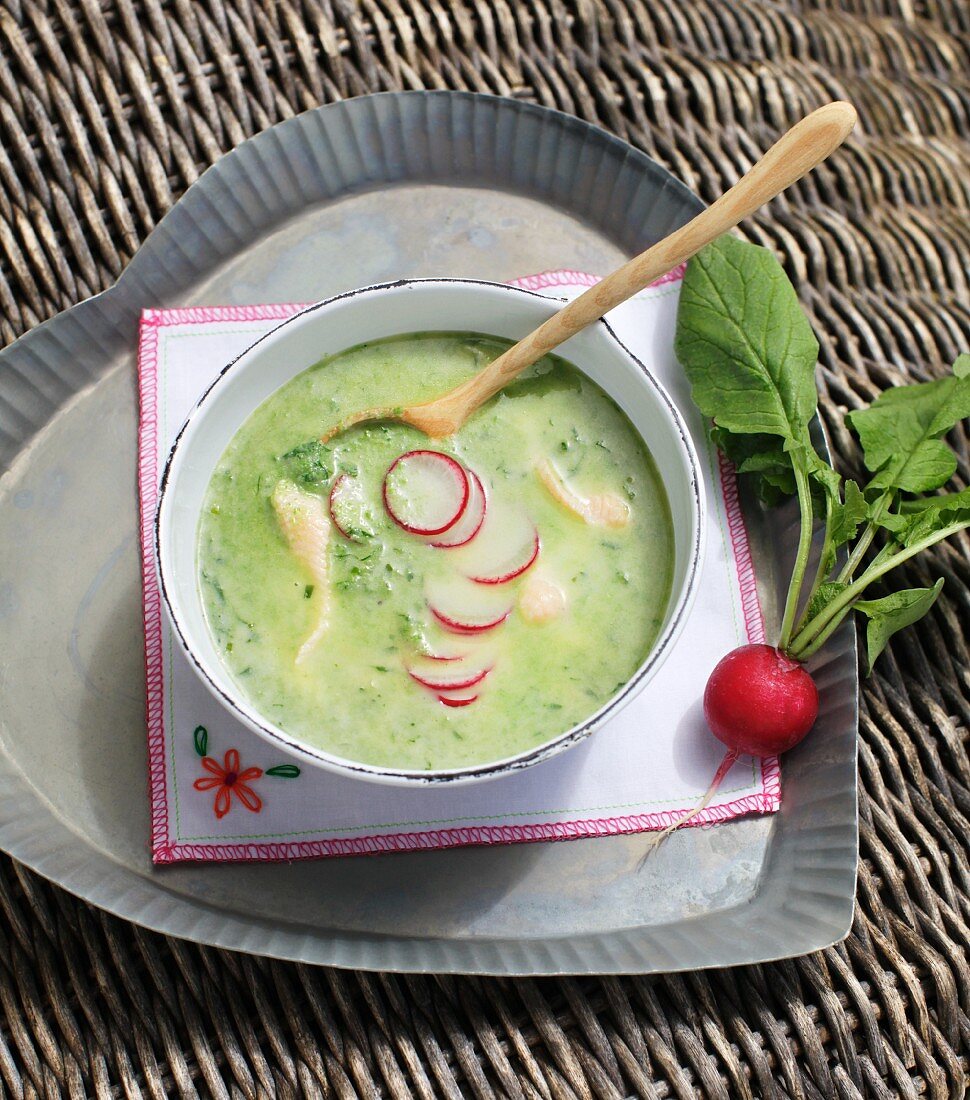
{"x":109,"y":111}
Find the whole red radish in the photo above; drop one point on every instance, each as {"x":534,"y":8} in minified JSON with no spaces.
{"x":759,"y":701}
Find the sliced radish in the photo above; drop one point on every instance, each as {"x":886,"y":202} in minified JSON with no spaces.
{"x":465,"y":608}
{"x":507,"y":545}
{"x":425,"y":492}
{"x":471,"y":519}
{"x":457,"y":700}
{"x":433,"y":665}
{"x":451,"y":679}
{"x":462,"y":626}
{"x":347,"y":506}
{"x":515,"y":565}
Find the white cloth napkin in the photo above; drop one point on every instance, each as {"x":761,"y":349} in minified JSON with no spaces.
{"x":649,"y":764}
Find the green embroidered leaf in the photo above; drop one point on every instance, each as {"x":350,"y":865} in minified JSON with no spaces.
{"x":961,"y":365}
{"x":201,"y":739}
{"x":748,"y":350}
{"x":901,"y":432}
{"x":892,"y":613}
{"x":284,"y":771}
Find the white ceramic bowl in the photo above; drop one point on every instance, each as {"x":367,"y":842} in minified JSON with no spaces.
{"x":421,"y":305}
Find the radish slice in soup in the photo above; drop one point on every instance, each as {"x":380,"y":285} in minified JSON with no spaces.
{"x":471,"y":520}
{"x":462,"y":607}
{"x":457,"y":700}
{"x":507,"y":545}
{"x":453,"y":676}
{"x":347,"y":507}
{"x":465,"y":624}
{"x":433,"y":664}
{"x":425,"y":492}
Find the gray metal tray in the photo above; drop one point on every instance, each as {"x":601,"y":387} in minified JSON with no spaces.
{"x":384,"y":186}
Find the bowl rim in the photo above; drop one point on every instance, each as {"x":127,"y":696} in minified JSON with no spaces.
{"x":320,"y":758}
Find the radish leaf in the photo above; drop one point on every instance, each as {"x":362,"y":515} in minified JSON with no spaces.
{"x":823,"y":596}
{"x":749,"y":354}
{"x":759,"y":456}
{"x":945,"y":504}
{"x":953,"y":510}
{"x":892,"y":613}
{"x":901,"y":433}
{"x":748,"y":350}
{"x":943,"y":501}
{"x":847,"y":516}
{"x":842,"y":523}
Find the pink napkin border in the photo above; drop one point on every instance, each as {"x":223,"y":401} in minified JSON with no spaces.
{"x":152,"y":320}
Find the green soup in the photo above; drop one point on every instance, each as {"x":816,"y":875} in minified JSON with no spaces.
{"x":337,"y":642}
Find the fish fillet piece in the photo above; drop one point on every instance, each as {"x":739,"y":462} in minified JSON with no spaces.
{"x":599,"y":510}
{"x":541,"y":600}
{"x":304,"y":521}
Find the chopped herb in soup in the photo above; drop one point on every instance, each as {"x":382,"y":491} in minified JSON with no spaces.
{"x":433,"y":604}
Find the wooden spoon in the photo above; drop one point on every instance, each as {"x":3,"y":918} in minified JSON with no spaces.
{"x":805,"y":145}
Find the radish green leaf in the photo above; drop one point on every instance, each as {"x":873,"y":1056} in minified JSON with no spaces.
{"x":847,"y":516}
{"x":892,"y":613}
{"x":748,"y":350}
{"x":901,"y":433}
{"x":823,"y":596}
{"x":953,"y":511}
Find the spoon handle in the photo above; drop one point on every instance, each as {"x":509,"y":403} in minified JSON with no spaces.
{"x":803,"y":147}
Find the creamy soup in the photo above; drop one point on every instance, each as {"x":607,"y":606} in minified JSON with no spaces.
{"x":433,"y":604}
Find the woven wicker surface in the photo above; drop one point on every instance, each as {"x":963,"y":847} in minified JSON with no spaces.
{"x":108,"y":110}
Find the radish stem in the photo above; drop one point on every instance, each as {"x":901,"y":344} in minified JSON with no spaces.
{"x":865,"y":539}
{"x":730,"y":758}
{"x":816,"y":632}
{"x":821,"y":570}
{"x":801,"y":558}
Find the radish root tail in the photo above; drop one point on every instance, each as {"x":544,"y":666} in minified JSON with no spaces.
{"x":656,"y":839}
